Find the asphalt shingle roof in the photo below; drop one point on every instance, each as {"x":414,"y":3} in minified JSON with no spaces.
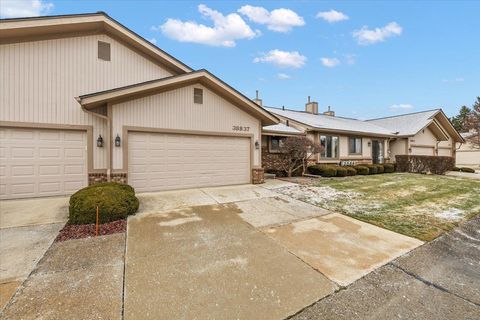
{"x":280,"y":127}
{"x":407,"y":124}
{"x":320,"y":121}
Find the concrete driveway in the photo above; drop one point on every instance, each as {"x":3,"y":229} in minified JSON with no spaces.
{"x":27,"y":229}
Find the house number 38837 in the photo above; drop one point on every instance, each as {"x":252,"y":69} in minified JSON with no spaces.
{"x":240,"y":128}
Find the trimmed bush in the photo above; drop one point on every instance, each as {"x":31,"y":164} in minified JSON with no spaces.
{"x":372,"y":169}
{"x":380,"y":168}
{"x":341,"y":172}
{"x":115,"y":201}
{"x":469,"y":170}
{"x":456,"y":169}
{"x":351,"y":171}
{"x":323,"y":170}
{"x":424,"y":164}
{"x":362,"y":170}
{"x":389,"y":167}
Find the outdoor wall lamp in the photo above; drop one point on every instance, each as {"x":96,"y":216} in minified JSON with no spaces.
{"x":99,"y":141}
{"x":257,"y":145}
{"x":369,"y":143}
{"x":117,"y":141}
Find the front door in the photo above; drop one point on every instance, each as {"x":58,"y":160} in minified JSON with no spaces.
{"x":377,"y":151}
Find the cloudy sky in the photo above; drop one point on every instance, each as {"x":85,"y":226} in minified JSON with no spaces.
{"x":365,"y":59}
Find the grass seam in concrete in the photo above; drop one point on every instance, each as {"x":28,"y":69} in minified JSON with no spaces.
{"x":432,"y":284}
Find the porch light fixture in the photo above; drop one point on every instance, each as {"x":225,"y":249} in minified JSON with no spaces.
{"x":369,"y":143}
{"x":117,"y":141}
{"x":100,"y":141}
{"x":257,"y":145}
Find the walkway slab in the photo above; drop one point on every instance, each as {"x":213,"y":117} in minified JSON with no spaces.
{"x":277,"y":210}
{"x":389,"y":293}
{"x":21,"y":249}
{"x":238,"y":193}
{"x":342,"y":248}
{"x":27,"y":212}
{"x":205,"y":262}
{"x":77,"y":279}
{"x":156,"y":202}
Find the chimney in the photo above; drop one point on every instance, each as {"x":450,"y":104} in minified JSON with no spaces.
{"x":257,"y":100}
{"x":329,"y":112}
{"x":311,"y":107}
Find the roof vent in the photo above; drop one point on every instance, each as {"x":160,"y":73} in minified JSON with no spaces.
{"x":283,"y":108}
{"x":329,"y":112}
{"x":257,"y":100}
{"x":311,"y":106}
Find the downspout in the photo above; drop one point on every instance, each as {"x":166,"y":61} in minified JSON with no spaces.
{"x":107,"y":138}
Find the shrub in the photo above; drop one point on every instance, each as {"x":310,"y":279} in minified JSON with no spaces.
{"x":469,"y":170}
{"x":323,"y":170}
{"x":424,"y":164}
{"x":372,"y":169}
{"x":380,"y":168}
{"x":341,"y":172}
{"x":115,"y":201}
{"x":351,"y":171}
{"x":389,"y":167}
{"x":361,"y":170}
{"x":456,"y":169}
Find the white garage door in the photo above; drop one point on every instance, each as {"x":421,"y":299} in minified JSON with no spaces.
{"x":423,"y":151}
{"x":158,"y":161}
{"x":40,"y":162}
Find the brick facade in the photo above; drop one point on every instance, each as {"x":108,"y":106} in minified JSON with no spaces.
{"x":258,"y":175}
{"x":101,"y":177}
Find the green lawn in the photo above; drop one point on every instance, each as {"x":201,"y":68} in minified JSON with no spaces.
{"x":420,"y":206}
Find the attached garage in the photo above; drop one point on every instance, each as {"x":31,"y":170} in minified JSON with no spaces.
{"x":163,"y":161}
{"x":41,"y":162}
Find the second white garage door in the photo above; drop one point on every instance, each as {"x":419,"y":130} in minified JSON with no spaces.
{"x":158,"y":161}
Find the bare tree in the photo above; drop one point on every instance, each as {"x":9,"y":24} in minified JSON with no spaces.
{"x":296,"y":151}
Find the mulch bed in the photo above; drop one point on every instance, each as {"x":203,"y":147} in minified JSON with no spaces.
{"x":72,"y":231}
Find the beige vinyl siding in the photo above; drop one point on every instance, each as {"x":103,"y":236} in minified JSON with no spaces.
{"x":176,"y":110}
{"x":39,"y":80}
{"x":445,"y":151}
{"x":398,"y":147}
{"x":423,"y":151}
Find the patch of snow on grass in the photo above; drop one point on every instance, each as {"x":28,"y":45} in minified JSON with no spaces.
{"x":317,"y":195}
{"x":450,"y":214}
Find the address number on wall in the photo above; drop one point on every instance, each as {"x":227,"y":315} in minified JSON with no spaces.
{"x":240,"y":128}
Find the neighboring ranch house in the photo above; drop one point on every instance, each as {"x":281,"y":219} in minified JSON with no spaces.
{"x":468,"y":154}
{"x":347,"y":141}
{"x":85,"y":100}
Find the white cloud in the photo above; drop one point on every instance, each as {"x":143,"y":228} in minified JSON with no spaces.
{"x":283,"y":76}
{"x":330,"y":62}
{"x":225,"y":31}
{"x":24,"y":8}
{"x":153,"y":40}
{"x":401,"y":106}
{"x":278,"y":20}
{"x":350,"y":58}
{"x":367,"y":36}
{"x":284,"y":59}
{"x":332,"y":16}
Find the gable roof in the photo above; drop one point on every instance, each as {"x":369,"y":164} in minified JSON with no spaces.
{"x":407,"y":124}
{"x":412,"y":123}
{"x":49,"y":27}
{"x":332,"y":123}
{"x":130,"y":92}
{"x":281,"y":128}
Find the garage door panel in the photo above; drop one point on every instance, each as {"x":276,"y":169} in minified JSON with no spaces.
{"x":42,"y":162}
{"x":160,"y":161}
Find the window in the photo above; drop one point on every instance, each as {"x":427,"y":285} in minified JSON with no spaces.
{"x":275,"y":144}
{"x":330,"y":146}
{"x":197,"y":95}
{"x":104,"y":50}
{"x":354,"y":145}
